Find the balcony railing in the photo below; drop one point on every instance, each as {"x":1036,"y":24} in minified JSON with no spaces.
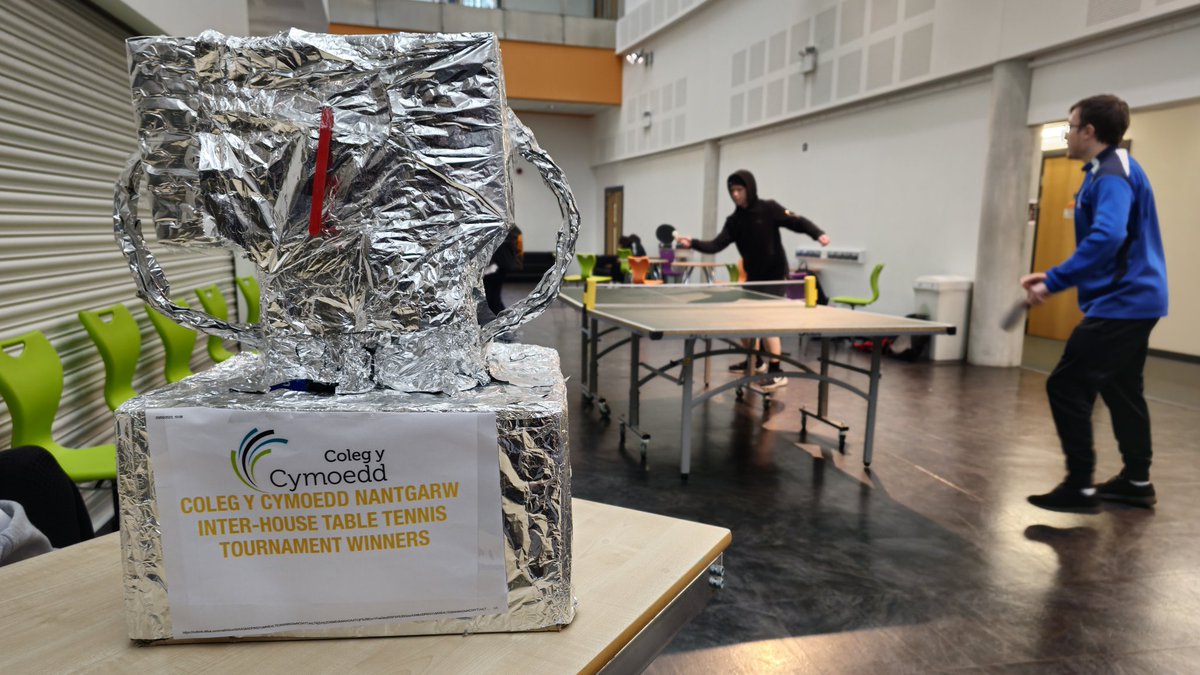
{"x":597,"y":9}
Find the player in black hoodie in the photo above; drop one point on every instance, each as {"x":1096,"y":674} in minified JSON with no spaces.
{"x":754,"y":228}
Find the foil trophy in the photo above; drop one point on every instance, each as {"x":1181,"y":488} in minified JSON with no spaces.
{"x":366,"y":177}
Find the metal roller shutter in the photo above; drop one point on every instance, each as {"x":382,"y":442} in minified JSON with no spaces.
{"x":65,"y":131}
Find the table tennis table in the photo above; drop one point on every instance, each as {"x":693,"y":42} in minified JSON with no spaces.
{"x":725,"y":313}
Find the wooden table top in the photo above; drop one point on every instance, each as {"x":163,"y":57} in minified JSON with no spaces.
{"x":697,"y":263}
{"x":63,"y":612}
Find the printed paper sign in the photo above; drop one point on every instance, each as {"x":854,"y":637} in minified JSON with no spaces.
{"x":275,"y":521}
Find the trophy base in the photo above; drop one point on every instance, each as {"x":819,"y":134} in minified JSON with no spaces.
{"x":527,"y":396}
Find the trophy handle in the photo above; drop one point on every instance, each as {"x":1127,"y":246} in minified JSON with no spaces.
{"x":547,"y":289}
{"x":152,"y":284}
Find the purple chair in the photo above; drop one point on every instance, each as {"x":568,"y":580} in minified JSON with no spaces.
{"x":669,"y":273}
{"x":796,"y":291}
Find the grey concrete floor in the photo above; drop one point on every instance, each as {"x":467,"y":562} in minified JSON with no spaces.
{"x":930,"y":562}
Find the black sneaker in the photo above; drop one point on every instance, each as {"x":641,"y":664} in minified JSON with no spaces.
{"x":772,"y":384}
{"x":1066,"y":498}
{"x":1120,"y":489}
{"x":740,"y":367}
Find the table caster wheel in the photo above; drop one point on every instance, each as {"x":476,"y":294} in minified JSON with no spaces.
{"x":740,"y":393}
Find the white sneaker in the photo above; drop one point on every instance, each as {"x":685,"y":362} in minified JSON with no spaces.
{"x":777,"y":382}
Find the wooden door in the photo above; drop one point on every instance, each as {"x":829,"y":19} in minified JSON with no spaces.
{"x":1054,"y":243}
{"x":614,"y":207}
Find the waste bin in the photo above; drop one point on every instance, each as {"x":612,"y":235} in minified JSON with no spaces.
{"x":946,"y":299}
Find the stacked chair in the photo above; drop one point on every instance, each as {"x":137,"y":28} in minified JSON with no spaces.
{"x":587,"y":264}
{"x":117,"y":337}
{"x":178,"y":343}
{"x":667,"y":272}
{"x":250,"y":293}
{"x":214,"y":303}
{"x":31,"y":375}
{"x":31,"y":383}
{"x":623,"y":260}
{"x":639,"y":267}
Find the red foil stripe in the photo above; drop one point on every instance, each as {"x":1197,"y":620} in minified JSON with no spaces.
{"x":315,"y":217}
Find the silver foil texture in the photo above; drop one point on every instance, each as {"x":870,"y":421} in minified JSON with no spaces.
{"x":366,"y":177}
{"x":529,"y":400}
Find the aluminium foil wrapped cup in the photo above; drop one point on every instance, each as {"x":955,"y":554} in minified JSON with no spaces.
{"x":366,"y":177}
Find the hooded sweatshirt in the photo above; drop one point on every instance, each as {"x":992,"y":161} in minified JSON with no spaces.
{"x":754,"y":229}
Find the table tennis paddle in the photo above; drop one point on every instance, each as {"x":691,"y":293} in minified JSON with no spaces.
{"x":1014,"y":315}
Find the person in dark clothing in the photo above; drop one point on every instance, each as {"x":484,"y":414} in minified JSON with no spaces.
{"x":633,"y":243}
{"x":754,"y":228}
{"x":506,"y":260}
{"x":1120,"y":273}
{"x":30,"y":476}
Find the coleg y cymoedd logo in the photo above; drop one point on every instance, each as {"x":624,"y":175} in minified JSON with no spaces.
{"x":253,"y":448}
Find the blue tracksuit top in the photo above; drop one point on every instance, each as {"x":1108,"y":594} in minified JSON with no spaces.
{"x":1118,"y":266}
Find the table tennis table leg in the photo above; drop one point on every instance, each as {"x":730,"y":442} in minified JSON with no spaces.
{"x":707,"y":364}
{"x":585,"y":363}
{"x":823,"y":385}
{"x":594,"y":368}
{"x":632,"y":419}
{"x":872,"y":400}
{"x":635,"y":359}
{"x":685,"y":431}
{"x":822,"y":413}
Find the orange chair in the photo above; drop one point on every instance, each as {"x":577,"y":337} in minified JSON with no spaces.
{"x":639,"y":267}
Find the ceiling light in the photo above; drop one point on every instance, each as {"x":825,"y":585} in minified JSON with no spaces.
{"x":641,"y":57}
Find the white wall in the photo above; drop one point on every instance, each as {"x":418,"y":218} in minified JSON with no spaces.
{"x":1031,"y":26}
{"x":180,"y":17}
{"x":665,"y":188}
{"x":1167,"y":145}
{"x":1159,"y":69}
{"x":737,"y":62}
{"x":903,"y":181}
{"x":568,"y":141}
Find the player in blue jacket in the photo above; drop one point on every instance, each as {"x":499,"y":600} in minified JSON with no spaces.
{"x":1120,"y":274}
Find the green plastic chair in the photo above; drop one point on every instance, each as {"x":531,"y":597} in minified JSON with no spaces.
{"x":178,"y":342}
{"x":119,"y":340}
{"x":214,"y":303}
{"x":587,"y":263}
{"x":854,"y":302}
{"x":249,"y":288}
{"x":31,"y":383}
{"x":623,"y":259}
